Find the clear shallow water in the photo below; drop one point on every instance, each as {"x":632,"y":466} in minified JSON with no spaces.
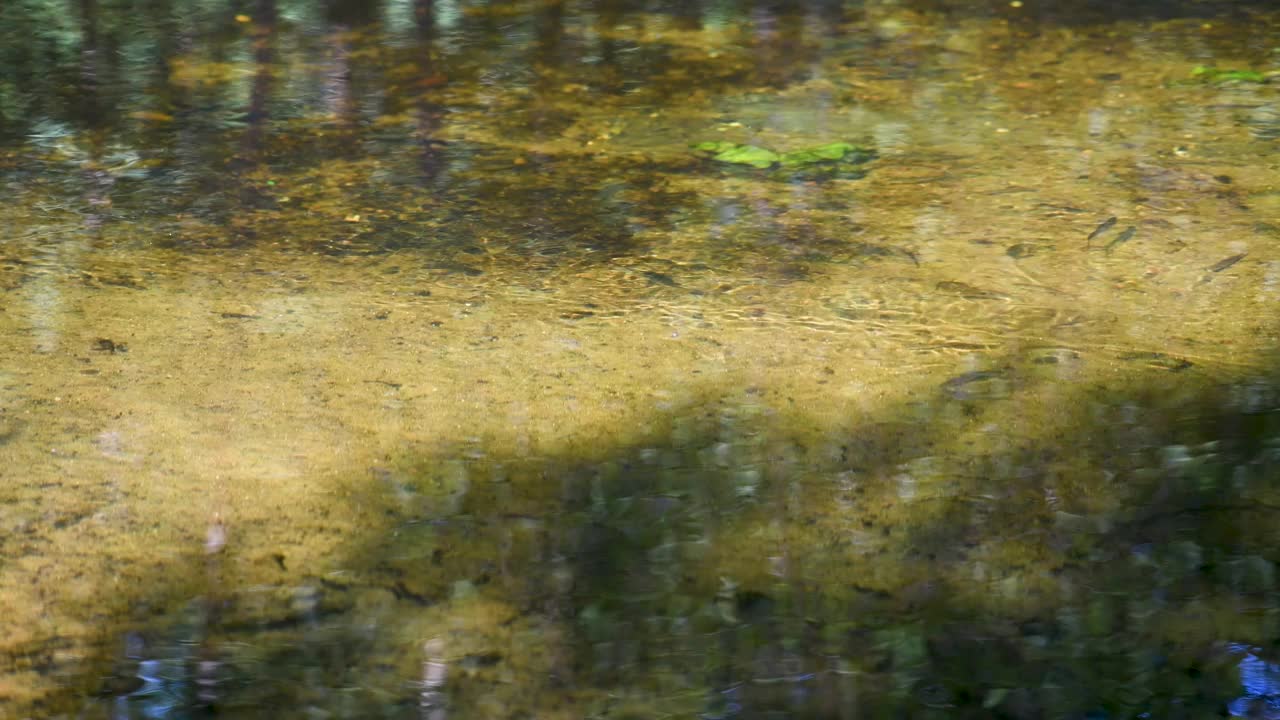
{"x":421,"y":369}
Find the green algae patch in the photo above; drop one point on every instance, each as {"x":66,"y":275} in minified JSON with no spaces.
{"x":1211,"y":74}
{"x":764,"y":158}
{"x":831,"y":152}
{"x":735,"y":154}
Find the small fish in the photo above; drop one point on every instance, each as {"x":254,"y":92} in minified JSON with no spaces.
{"x":148,"y":116}
{"x":1121,"y":238}
{"x":1225,"y":263}
{"x":969,"y":292}
{"x":1103,"y":227}
{"x":657,"y":278}
{"x":1061,"y":208}
{"x":977,"y":384}
{"x":864,"y":249}
{"x":108,"y":345}
{"x":1159,"y":360}
{"x":1021,"y":250}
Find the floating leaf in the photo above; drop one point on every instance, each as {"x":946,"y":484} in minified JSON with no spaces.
{"x":826,"y":153}
{"x":761,"y":158}
{"x":756,"y":157}
{"x":1213,"y":74}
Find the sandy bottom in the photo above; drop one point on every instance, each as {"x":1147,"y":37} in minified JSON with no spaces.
{"x":310,"y":411}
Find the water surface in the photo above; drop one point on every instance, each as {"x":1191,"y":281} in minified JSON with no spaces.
{"x":400,"y":360}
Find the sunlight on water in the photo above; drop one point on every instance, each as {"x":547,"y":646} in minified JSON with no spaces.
{"x":633,"y":360}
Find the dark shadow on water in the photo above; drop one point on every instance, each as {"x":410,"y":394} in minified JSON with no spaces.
{"x":1120,"y":565}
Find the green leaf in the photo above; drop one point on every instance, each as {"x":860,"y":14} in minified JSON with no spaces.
{"x":762,"y":158}
{"x":822,"y":153}
{"x":843,"y":153}
{"x":1213,"y":74}
{"x":756,"y":157}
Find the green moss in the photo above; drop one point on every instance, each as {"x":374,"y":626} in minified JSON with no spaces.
{"x":763,"y":158}
{"x":735,"y":154}
{"x":1208,"y":73}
